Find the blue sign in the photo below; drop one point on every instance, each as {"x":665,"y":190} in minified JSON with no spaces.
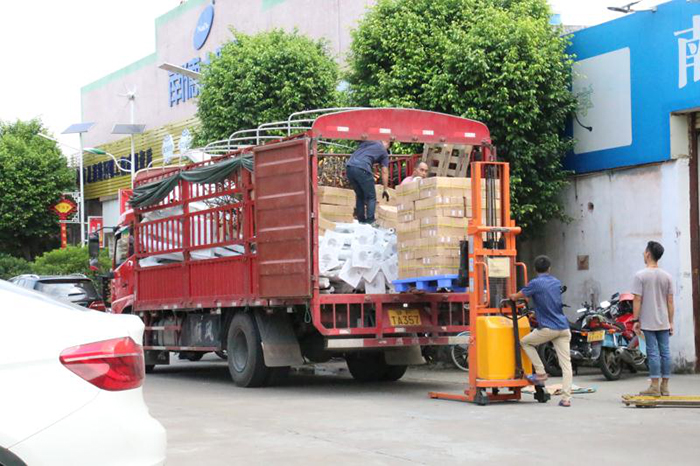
{"x":203,"y":28}
{"x":630,"y":75}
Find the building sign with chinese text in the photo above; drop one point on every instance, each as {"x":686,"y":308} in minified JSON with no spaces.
{"x":630,"y":75}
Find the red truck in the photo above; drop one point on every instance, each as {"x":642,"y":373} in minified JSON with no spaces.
{"x":260,"y":302}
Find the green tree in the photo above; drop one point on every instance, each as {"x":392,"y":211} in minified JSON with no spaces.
{"x":496,"y":61}
{"x":262,"y":78}
{"x":72,"y":259}
{"x":33,"y":173}
{"x":11,"y":266}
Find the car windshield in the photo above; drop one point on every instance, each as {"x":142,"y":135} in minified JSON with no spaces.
{"x":73,"y":290}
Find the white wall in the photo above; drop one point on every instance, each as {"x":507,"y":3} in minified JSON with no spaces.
{"x":614,"y":214}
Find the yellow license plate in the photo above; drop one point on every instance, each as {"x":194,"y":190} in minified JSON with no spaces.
{"x":596,"y":336}
{"x":404,"y":317}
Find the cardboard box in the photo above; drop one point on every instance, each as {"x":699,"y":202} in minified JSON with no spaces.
{"x":325,"y":224}
{"x":440,"y":206}
{"x":405,"y":206}
{"x":379,"y":189}
{"x":336,"y":196}
{"x":437,"y":271}
{"x":408,"y":192}
{"x":434,"y":231}
{"x":406,"y":216}
{"x":409,"y":230}
{"x":387,"y":212}
{"x":441,"y":221}
{"x":441,"y":262}
{"x":436,"y":247}
{"x":336,"y":213}
{"x":444,"y":187}
{"x":409,"y":268}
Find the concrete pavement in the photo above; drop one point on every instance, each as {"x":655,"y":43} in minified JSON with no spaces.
{"x":330,"y":418}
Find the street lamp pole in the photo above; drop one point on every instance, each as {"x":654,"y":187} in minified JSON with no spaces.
{"x":82,"y":192}
{"x":80,"y":128}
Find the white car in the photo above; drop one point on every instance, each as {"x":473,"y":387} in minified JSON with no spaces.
{"x":70,"y":386}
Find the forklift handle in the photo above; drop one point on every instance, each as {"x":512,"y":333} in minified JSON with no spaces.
{"x":522,"y":264}
{"x":488,"y":287}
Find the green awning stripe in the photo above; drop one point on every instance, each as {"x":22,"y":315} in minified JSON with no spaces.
{"x":155,"y":192}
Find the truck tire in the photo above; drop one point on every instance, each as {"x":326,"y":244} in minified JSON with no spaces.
{"x":245,"y":356}
{"x":372,"y":367}
{"x":393,"y":373}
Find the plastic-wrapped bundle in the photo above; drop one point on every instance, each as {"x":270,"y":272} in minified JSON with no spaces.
{"x":356,"y":257}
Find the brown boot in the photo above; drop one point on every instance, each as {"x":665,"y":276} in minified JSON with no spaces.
{"x":664,"y":388}
{"x":653,"y":389}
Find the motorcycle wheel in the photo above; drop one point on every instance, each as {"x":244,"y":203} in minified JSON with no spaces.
{"x":610,"y":364}
{"x":460,"y":355}
{"x":548,"y":355}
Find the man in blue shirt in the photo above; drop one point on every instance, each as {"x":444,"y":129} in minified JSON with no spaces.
{"x":552,"y":325}
{"x":359,"y":170}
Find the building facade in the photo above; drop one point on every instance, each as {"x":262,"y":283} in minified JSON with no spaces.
{"x":637,"y":79}
{"x":166,"y":102}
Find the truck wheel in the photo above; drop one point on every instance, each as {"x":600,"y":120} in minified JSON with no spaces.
{"x":394,"y":373}
{"x":245,"y":355}
{"x":366,"y":367}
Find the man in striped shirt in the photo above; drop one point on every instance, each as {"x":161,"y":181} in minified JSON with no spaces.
{"x":552,"y":325}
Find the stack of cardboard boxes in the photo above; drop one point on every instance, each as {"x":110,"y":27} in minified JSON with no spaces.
{"x":336,"y":205}
{"x":433,"y":216}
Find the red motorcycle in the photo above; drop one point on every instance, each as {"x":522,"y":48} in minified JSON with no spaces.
{"x":628,"y":345}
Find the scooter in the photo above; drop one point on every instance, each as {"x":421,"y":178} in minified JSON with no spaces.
{"x":588,"y":333}
{"x":627,"y":344}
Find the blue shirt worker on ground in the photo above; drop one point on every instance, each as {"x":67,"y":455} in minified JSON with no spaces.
{"x":552,"y":325}
{"x":359,"y":170}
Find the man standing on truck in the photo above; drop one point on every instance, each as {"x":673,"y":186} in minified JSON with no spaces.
{"x":421,"y":171}
{"x":653,"y":314}
{"x":552,"y":325}
{"x":359,"y":170}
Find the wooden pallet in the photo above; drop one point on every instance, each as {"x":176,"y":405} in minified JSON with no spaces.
{"x":430,"y":284}
{"x":447,"y":159}
{"x":656,"y":401}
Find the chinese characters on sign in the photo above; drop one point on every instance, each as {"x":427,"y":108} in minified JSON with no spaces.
{"x":689,"y":53}
{"x":95,"y":226}
{"x":182,"y":88}
{"x":107,"y":170}
{"x":64,"y":209}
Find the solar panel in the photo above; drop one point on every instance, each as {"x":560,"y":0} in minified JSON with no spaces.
{"x":128,"y":129}
{"x":78,"y":128}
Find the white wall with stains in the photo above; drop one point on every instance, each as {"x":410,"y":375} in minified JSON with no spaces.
{"x":613,"y":216}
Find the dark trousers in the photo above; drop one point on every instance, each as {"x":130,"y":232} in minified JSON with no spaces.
{"x":365,"y":196}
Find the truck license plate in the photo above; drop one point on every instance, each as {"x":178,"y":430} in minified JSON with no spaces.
{"x":596,"y":336}
{"x":404,"y":317}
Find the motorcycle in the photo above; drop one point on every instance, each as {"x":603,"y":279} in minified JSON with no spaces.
{"x":626,"y":344}
{"x":589,"y":330}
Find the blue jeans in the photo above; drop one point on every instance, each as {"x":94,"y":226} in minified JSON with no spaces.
{"x":658,"y":353}
{"x":365,"y":196}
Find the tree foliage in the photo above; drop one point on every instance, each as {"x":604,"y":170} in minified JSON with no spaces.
{"x":11,"y":266}
{"x":33,"y":174}
{"x":72,"y":259}
{"x":496,"y":61}
{"x":262,"y":78}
